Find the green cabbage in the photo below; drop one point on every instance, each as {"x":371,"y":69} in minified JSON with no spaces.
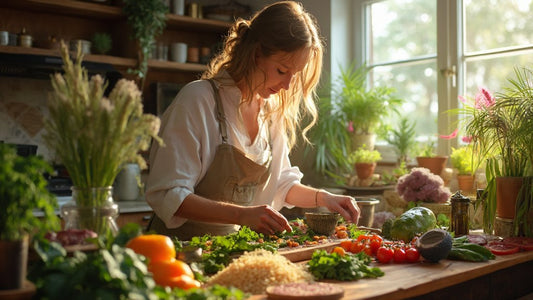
{"x":415,"y":221}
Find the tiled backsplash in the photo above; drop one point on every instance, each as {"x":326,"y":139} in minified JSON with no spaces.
{"x":22,"y":110}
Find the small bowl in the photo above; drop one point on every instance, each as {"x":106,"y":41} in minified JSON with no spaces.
{"x":322,"y":222}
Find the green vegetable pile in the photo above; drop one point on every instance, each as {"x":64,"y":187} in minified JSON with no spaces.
{"x":346,"y":268}
{"x":111,"y":272}
{"x":414,"y":221}
{"x":464,"y":250}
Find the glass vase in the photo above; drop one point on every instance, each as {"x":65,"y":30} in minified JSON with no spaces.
{"x":92,"y":209}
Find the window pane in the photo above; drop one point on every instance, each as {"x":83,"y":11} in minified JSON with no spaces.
{"x":493,"y":73}
{"x":402,"y":29}
{"x":492,"y":24}
{"x":416,"y":84}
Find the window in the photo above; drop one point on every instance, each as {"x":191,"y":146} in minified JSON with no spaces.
{"x":431,"y":51}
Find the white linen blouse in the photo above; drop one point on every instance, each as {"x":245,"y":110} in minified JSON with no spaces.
{"x":191,"y":135}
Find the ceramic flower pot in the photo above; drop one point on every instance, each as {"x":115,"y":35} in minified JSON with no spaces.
{"x":507,"y":190}
{"x":435,"y":163}
{"x":465,"y":183}
{"x":368,"y":140}
{"x":364,"y":170}
{"x":367,"y":206}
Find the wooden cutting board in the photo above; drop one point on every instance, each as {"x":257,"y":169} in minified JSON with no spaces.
{"x":305,"y":252}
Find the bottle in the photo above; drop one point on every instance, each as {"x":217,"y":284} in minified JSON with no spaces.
{"x":459,"y":220}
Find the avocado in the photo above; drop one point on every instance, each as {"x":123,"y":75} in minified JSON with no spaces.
{"x":434,"y":245}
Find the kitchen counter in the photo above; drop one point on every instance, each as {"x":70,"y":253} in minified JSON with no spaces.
{"x":506,"y":277}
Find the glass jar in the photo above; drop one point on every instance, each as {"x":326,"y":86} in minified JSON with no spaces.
{"x":459,"y":219}
{"x":92,"y":209}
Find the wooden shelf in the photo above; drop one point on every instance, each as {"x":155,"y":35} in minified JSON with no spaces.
{"x":119,"y":62}
{"x":108,"y":12}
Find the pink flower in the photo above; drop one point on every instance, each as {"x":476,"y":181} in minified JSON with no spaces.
{"x":350,"y":127}
{"x":420,"y":185}
{"x":484,"y":99}
{"x":466,"y":139}
{"x":451,"y":136}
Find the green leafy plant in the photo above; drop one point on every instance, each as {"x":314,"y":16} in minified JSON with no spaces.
{"x":147,"y":18}
{"x":102,"y":42}
{"x":23,"y":191}
{"x":402,"y":138}
{"x":363,"y":155}
{"x":426,"y":149}
{"x":363,"y":108}
{"x":464,"y":160}
{"x":92,"y":135}
{"x":349,"y":267}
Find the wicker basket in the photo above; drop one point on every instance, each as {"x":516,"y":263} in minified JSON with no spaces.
{"x":322,"y":223}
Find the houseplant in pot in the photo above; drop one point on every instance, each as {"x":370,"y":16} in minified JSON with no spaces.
{"x":363,"y":108}
{"x":465,"y":162}
{"x":22,"y":192}
{"x":497,"y":125}
{"x":427,"y":158}
{"x":364,"y":162}
{"x":402,"y":139}
{"x":94,"y":136}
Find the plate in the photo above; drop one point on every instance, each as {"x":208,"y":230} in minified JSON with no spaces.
{"x":305,"y":290}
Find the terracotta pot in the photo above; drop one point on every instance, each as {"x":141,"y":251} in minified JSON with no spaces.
{"x":13,"y":263}
{"x":435,"y":164}
{"x":365,"y":170}
{"x":507,"y":190}
{"x":466,"y":184}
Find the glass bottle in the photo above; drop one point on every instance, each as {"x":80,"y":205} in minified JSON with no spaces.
{"x":459,"y":219}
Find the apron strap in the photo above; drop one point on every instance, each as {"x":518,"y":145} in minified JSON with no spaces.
{"x":221,"y":117}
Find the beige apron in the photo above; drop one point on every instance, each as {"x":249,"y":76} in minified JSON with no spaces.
{"x":231,"y":177}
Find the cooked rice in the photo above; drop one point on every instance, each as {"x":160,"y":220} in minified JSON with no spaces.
{"x":254,"y":271}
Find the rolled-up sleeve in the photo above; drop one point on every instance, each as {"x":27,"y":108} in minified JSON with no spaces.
{"x":177,"y":167}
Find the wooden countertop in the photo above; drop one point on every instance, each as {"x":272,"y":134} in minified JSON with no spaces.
{"x":411,"y":280}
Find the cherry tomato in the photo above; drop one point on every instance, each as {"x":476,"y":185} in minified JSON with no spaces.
{"x":374,"y":245}
{"x":346,"y":244}
{"x":363,"y":237}
{"x":357,"y":247}
{"x":367,"y":250}
{"x":341,"y":234}
{"x":384,"y":254}
{"x":339,"y":250}
{"x":412,"y":255}
{"x":500,"y":248}
{"x":399,"y":255}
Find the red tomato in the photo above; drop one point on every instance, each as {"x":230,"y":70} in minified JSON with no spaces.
{"x":524,"y":243}
{"x":412,"y":255}
{"x":384,"y":254}
{"x":399,"y":255}
{"x":357,"y":247}
{"x":500,"y":248}
{"x":346,"y":244}
{"x":374,"y":246}
{"x":363,"y":237}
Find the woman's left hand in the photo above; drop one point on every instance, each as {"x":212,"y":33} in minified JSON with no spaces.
{"x":345,"y":205}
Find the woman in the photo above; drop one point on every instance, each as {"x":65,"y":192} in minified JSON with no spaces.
{"x":227,"y":136}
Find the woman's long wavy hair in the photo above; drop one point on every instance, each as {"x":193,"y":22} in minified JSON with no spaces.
{"x":280,"y":27}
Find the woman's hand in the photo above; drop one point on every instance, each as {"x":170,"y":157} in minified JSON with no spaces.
{"x":346,"y":206}
{"x":263,"y":219}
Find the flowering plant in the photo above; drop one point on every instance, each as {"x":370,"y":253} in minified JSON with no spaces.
{"x":420,"y":185}
{"x":94,"y":135}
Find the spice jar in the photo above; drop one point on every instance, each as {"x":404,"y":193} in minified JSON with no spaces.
{"x":25,"y":40}
{"x":459,"y":221}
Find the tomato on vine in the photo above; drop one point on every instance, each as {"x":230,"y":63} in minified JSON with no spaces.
{"x":384,"y":254}
{"x":399,"y":255}
{"x":412,"y":255}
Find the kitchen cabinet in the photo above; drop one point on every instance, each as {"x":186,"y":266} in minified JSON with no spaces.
{"x":68,"y":20}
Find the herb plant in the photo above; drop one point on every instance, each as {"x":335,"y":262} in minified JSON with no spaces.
{"x":23,"y":190}
{"x":348,"y":267}
{"x":464,"y":160}
{"x":363,"y":155}
{"x":102,"y":42}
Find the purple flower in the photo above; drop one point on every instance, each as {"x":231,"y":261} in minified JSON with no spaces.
{"x":420,"y":185}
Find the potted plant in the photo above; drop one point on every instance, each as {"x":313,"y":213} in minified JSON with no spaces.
{"x":102,"y":42}
{"x":94,"y":136}
{"x":363,"y":109}
{"x":500,"y":132}
{"x":147,"y":18}
{"x":364,"y":161}
{"x":22,"y":192}
{"x":427,"y":158}
{"x":402,"y":138}
{"x":465,"y":163}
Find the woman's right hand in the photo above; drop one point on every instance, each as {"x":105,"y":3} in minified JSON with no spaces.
{"x":264,"y":219}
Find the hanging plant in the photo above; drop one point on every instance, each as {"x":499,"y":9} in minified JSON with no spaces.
{"x":147,"y":18}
